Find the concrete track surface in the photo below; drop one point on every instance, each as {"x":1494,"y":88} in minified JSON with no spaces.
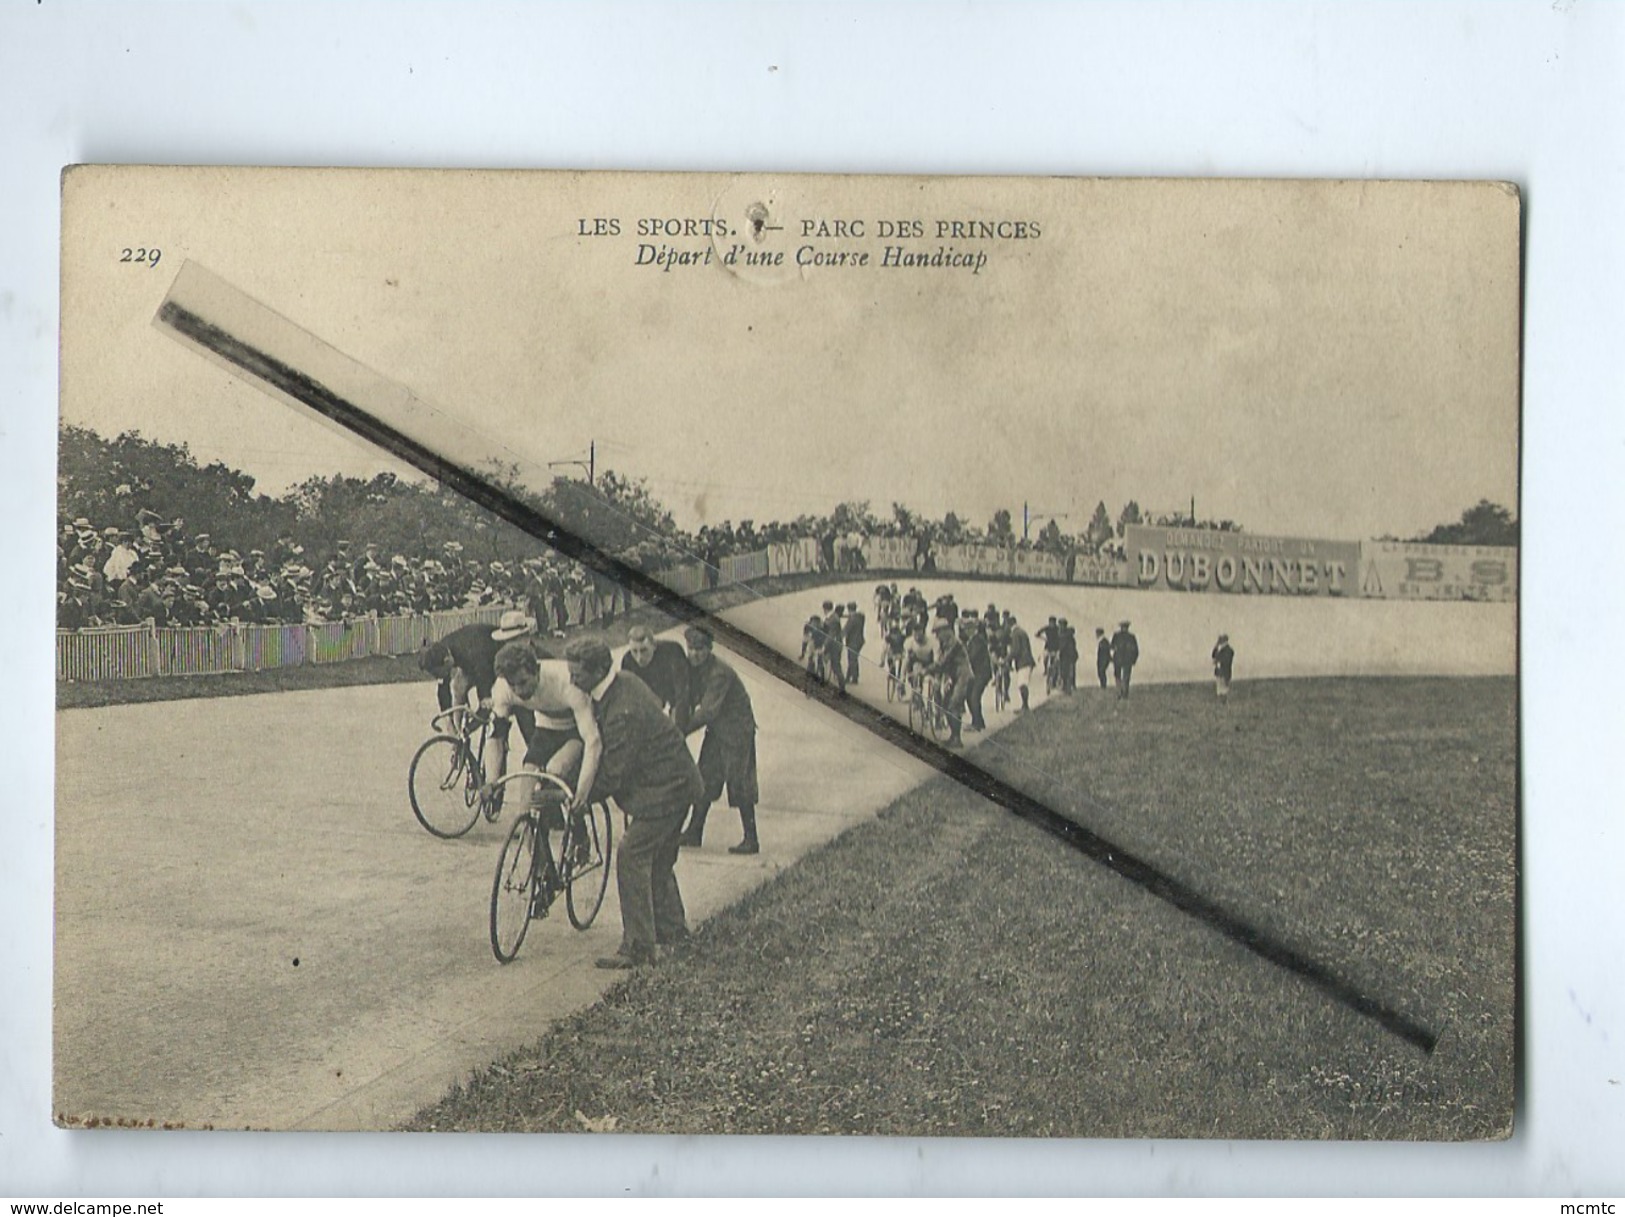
{"x":252,"y":930}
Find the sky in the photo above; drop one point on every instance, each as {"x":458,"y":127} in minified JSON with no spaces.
{"x":1318,"y":359}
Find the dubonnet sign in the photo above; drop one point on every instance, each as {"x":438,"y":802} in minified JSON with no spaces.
{"x":1206,"y":560}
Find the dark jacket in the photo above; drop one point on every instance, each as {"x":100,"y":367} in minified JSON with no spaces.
{"x":1125,"y":649}
{"x":953,"y":663}
{"x":666,"y":676}
{"x":646,"y":766}
{"x":981,"y":662}
{"x":854,"y":629}
{"x":472,"y":649}
{"x":719,"y":700}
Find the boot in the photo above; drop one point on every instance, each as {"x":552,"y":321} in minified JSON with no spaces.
{"x":750,"y":845}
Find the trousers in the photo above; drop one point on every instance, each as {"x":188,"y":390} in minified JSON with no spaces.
{"x":646,"y":880}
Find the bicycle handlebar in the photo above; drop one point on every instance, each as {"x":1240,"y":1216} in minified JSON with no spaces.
{"x":446,"y":720}
{"x":540,"y":775}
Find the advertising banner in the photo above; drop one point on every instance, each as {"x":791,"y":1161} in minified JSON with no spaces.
{"x":1101,"y":572}
{"x":1410,"y":570}
{"x":889,"y":553}
{"x":1030,"y":564}
{"x":792,"y":557}
{"x":973,"y":560}
{"x":1240,"y":563}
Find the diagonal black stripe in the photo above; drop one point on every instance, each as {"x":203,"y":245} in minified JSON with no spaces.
{"x":305,"y":389}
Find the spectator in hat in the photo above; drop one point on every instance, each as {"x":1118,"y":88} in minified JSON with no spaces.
{"x":1125,"y":654}
{"x":1068,"y":657}
{"x":974,"y":636}
{"x":854,"y":639}
{"x":1224,"y":661}
{"x":834,"y":638}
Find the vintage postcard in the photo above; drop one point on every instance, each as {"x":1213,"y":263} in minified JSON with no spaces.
{"x":585,"y":652}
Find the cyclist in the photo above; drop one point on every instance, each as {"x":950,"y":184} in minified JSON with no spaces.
{"x":919,"y":654}
{"x":812,"y":650}
{"x":464,"y":661}
{"x":465,"y":658}
{"x":953,"y":672}
{"x":1051,"y":636}
{"x":565,"y":742}
{"x":883,"y":604}
{"x":896,"y":641}
{"x":998,"y":649}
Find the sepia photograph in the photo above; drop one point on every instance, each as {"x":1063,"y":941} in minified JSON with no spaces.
{"x":751,"y":654}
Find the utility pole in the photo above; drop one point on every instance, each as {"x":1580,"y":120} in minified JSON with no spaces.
{"x":590,"y":464}
{"x":1027,"y":516}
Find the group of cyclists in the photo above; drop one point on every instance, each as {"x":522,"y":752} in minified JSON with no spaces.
{"x":960,"y":654}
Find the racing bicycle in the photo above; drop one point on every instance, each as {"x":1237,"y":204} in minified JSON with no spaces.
{"x":896,"y":685}
{"x":926,"y":714}
{"x":530,"y":874}
{"x":1001,"y":682}
{"x":447,"y":772}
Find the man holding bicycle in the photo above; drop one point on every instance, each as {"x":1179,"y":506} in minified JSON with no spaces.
{"x":646,"y":768}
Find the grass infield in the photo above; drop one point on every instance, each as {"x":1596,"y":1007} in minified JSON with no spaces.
{"x":947,"y":969}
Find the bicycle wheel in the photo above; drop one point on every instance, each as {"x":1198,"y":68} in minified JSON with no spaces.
{"x":586,"y":852}
{"x":513,"y":889}
{"x":439,"y":787}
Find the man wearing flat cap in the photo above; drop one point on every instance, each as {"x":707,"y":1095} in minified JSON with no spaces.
{"x":728,"y":754}
{"x":646,"y":768}
{"x":1125,"y":654}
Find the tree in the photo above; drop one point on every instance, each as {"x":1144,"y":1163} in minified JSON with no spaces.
{"x":1130,"y":515}
{"x":904,"y":518}
{"x":952,"y":529}
{"x":1485,"y":523}
{"x":1051,"y":539}
{"x":1100,"y":526}
{"x":853,"y":514}
{"x":1001,"y":530}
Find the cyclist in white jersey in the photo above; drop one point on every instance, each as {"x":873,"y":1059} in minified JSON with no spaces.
{"x":566,"y":742}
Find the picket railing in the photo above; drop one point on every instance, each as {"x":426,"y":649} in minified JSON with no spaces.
{"x":136,"y":651}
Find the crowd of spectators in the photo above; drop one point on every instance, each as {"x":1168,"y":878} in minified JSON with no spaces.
{"x":148,"y":569}
{"x":158,"y":571}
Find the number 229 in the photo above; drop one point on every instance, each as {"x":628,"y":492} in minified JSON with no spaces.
{"x":148,"y":256}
